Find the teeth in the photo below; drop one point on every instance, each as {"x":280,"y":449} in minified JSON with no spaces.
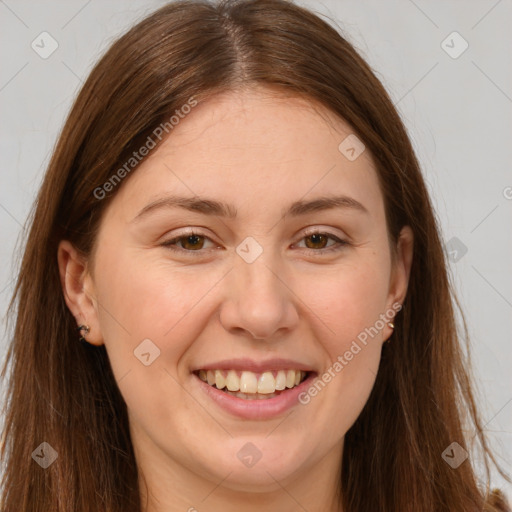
{"x":232,"y":381}
{"x":267,"y":383}
{"x":290,"y":379}
{"x":220,"y":381}
{"x":249,"y":383}
{"x":280,"y":381}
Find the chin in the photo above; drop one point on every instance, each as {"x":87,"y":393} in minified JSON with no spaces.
{"x":256,"y":480}
{"x":251,"y":469}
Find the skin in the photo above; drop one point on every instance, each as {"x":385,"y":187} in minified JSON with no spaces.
{"x":260,"y":152}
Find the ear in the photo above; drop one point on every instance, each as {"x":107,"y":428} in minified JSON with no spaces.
{"x":402,"y":267}
{"x":78,"y":289}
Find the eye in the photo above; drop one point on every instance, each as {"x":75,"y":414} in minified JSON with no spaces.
{"x":316,"y":241}
{"x":190,"y":242}
{"x":193,"y":242}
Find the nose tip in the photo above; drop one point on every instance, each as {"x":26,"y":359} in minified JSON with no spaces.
{"x":259,"y":303}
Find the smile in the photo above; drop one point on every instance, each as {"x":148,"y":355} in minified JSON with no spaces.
{"x":249,"y":385}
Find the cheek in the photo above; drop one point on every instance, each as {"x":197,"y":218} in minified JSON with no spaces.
{"x":350,"y":305}
{"x":348,"y":300}
{"x":151,"y":299}
{"x":151,"y":308}
{"x":148,"y":297}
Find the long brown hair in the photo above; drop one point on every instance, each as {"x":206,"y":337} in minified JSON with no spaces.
{"x":64,"y":393}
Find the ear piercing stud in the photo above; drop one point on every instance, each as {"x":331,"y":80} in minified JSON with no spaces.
{"x":391,"y":325}
{"x":86,"y":330}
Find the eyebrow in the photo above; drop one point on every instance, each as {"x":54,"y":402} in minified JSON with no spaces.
{"x":212,"y":207}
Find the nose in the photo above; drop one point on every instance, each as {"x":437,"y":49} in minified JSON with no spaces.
{"x":258,"y":301}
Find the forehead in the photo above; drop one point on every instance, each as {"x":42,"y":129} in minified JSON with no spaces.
{"x":260,"y":121}
{"x":256,"y":148}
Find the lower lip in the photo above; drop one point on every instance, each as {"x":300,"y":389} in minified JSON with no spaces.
{"x":262,"y":409}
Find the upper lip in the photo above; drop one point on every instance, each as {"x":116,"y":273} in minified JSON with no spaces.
{"x":256,"y":366}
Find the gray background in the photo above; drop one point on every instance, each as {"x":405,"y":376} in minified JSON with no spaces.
{"x":457,"y":110}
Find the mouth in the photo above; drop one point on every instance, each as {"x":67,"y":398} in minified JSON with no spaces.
{"x":249,"y":385}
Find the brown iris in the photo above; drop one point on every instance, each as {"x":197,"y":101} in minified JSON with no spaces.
{"x":319,"y":238}
{"x":191,"y":241}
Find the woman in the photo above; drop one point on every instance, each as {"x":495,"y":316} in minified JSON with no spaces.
{"x":233,"y":294}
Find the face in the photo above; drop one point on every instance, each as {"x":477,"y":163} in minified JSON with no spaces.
{"x":278,"y":289}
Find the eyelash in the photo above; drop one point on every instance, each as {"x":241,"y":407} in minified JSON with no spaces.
{"x":340,"y":243}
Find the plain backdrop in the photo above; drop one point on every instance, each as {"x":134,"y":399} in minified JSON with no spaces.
{"x":446,"y":64}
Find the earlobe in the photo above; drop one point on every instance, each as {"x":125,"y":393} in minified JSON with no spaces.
{"x":81,"y":302}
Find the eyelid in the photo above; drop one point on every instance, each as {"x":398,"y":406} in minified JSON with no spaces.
{"x":312,"y":230}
